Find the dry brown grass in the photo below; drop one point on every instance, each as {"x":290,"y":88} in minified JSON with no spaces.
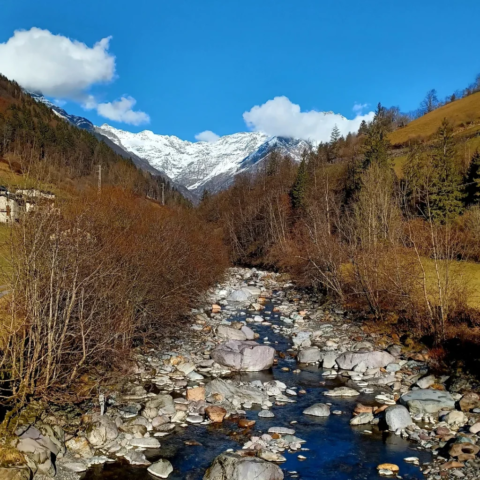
{"x":463,"y":113}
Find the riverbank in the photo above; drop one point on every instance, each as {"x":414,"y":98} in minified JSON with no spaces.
{"x":188,"y":404}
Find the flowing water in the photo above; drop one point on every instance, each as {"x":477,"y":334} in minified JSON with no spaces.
{"x":337,"y":451}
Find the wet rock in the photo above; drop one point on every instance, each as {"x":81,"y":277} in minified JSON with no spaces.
{"x":456,"y":418}
{"x":281,"y":430}
{"x":302,"y":339}
{"x":362,"y":419}
{"x":329,"y":359}
{"x":427,"y":401}
{"x":134,"y":457}
{"x":248,"y":332}
{"x":318,"y":410}
{"x":348,"y":360}
{"x":397,"y":417}
{"x":244,"y":356}
{"x":162,"y":469}
{"x":230,"y":466}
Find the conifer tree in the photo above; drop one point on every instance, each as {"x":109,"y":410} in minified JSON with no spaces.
{"x":445,"y":192}
{"x":299,"y":188}
{"x":472,"y":180}
{"x":333,"y":145}
{"x":363,"y":129}
{"x":376,"y":147}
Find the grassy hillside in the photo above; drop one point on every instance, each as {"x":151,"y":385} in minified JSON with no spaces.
{"x":463,"y":113}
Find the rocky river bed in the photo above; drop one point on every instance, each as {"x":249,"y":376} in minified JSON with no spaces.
{"x":268,"y":383}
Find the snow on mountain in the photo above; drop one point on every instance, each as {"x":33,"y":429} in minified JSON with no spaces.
{"x":202,"y":165}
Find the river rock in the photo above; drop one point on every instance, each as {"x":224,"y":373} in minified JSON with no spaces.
{"x":309,"y":355}
{"x":426,"y":382}
{"x":162,"y":469}
{"x":427,"y":401}
{"x":163,"y":403}
{"x":302,"y":339}
{"x":397,"y":417}
{"x":348,"y":360}
{"x":102,"y":430}
{"x":456,"y":418}
{"x":228,"y":333}
{"x":148,"y":442}
{"x":244,"y":356}
{"x":329,"y":359}
{"x":248,"y":332}
{"x":238,"y":296}
{"x":341,"y":392}
{"x":469,"y":401}
{"x":318,"y":410}
{"x":229,"y":391}
{"x":215,"y":414}
{"x":231,"y":466}
{"x":362,"y":419}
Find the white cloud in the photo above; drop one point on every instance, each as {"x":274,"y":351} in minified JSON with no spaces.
{"x":207,"y":136}
{"x":55,"y":65}
{"x":283,"y":118}
{"x":121,"y":111}
{"x":358,"y":108}
{"x":65,"y":69}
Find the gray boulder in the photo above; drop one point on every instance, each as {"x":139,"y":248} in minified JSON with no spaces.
{"x":244,"y":356}
{"x":230,"y":466}
{"x":238,"y":296}
{"x":348,"y":360}
{"x":427,"y":401}
{"x":329,"y":359}
{"x":229,"y":333}
{"x":230,"y":391}
{"x":397,"y":417}
{"x":318,"y":410}
{"x":309,"y":355}
{"x":362,"y":419}
{"x":302,"y":339}
{"x":102,"y":430}
{"x":248,"y":332}
{"x":163,"y":403}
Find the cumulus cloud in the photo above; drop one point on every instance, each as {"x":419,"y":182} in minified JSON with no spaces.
{"x":283,"y":118}
{"x":122,"y":111}
{"x":65,"y":69}
{"x":207,"y":136}
{"x":358,"y":108}
{"x":55,"y":65}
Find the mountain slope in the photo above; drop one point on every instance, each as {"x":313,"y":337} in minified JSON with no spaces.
{"x":460,"y":112}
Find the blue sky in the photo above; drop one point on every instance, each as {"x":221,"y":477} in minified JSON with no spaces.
{"x":196,"y":65}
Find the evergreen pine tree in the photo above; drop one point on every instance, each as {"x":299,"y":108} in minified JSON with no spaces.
{"x":299,"y":188}
{"x":363,"y":130}
{"x":333,"y":145}
{"x":472,"y":180}
{"x":445,"y":191}
{"x":376,"y":147}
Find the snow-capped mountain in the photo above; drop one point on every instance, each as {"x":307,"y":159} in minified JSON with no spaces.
{"x":192,"y":167}
{"x":202,"y":165}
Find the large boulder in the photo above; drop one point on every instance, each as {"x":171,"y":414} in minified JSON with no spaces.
{"x":348,"y":360}
{"x":228,"y":333}
{"x":427,"y":401}
{"x":244,"y":356}
{"x":162,"y":469}
{"x":397,"y":417}
{"x":230,"y":466}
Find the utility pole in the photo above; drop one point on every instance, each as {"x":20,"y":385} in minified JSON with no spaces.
{"x":99,"y":179}
{"x":163,"y":193}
